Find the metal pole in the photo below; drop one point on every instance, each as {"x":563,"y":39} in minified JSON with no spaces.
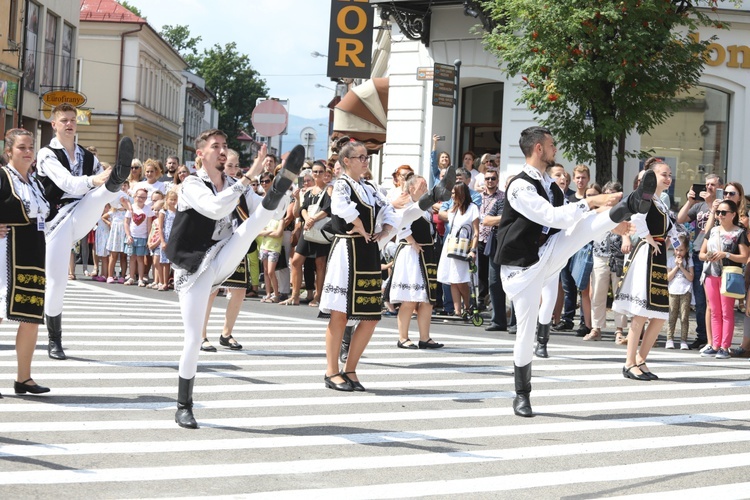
{"x":456,"y":93}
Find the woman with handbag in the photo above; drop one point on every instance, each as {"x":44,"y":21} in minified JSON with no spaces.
{"x":643,"y":290}
{"x":464,"y":224}
{"x":724,"y":249}
{"x":315,"y":210}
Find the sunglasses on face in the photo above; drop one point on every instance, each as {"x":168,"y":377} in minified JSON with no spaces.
{"x":267,"y":181}
{"x":730,"y":193}
{"x":723,"y":212}
{"x":490,"y":178}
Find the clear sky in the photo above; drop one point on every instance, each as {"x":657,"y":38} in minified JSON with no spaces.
{"x":277,"y":35}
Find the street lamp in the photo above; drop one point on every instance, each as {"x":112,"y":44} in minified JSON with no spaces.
{"x":319,"y":86}
{"x":317,"y":54}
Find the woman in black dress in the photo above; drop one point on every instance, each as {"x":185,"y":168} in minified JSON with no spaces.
{"x":23,"y":211}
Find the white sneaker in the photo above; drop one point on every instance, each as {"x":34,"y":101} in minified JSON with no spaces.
{"x":705,"y":348}
{"x":669,"y":344}
{"x":684,"y":346}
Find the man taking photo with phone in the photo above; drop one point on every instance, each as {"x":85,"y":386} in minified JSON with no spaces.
{"x":698,"y":209}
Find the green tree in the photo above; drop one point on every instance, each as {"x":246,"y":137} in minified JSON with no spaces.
{"x":237,"y":86}
{"x":178,"y":36}
{"x":228,"y":74}
{"x":132,"y":8}
{"x":594,"y":70}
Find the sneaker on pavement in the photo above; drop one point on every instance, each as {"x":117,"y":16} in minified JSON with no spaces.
{"x":697,"y":344}
{"x":684,"y":346}
{"x":705,"y":347}
{"x":562,"y":326}
{"x":583,"y":330}
{"x":739,"y":352}
{"x":669,"y":344}
{"x":722,"y":354}
{"x":709,"y":353}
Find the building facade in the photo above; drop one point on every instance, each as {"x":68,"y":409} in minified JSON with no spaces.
{"x":11,"y":38}
{"x":709,"y":137}
{"x":134,"y":82}
{"x":48,"y":55}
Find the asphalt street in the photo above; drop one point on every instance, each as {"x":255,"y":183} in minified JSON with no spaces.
{"x":433,"y":423}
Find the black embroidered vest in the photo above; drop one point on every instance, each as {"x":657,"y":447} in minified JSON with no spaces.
{"x":421,"y":231}
{"x":367,"y":214}
{"x":192,"y":235}
{"x":518,"y":238}
{"x":51,"y":191}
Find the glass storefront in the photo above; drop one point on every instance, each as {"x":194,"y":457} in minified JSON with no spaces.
{"x":481,"y":121}
{"x":693,"y":141}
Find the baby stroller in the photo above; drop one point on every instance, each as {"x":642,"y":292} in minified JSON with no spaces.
{"x":473,"y":315}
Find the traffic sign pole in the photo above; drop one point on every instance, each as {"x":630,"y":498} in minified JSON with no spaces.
{"x":457,"y":82}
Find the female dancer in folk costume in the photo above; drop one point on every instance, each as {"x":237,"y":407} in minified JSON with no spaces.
{"x":352,"y":287}
{"x":643,"y":290}
{"x":23,"y":211}
{"x":414,"y":290}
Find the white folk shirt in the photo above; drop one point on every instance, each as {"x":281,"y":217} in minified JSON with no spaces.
{"x":215,"y":204}
{"x":72,"y":181}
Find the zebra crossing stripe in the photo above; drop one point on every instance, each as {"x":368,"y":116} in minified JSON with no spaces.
{"x":458,"y":486}
{"x":547,"y":430}
{"x":360,"y":418}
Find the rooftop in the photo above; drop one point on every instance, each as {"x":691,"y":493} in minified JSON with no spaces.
{"x":107,"y":11}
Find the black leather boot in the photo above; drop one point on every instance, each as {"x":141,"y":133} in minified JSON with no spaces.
{"x":637,"y":202}
{"x":542,"y":337}
{"x":54,"y":332}
{"x":286,"y":177}
{"x":344,"y":351}
{"x":121,"y":168}
{"x":441,"y":191}
{"x":522,"y":403}
{"x":184,"y":416}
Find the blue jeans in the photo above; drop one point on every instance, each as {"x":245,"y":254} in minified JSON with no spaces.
{"x":700,"y":299}
{"x":497,"y":296}
{"x":570,"y":292}
{"x":447,"y":299}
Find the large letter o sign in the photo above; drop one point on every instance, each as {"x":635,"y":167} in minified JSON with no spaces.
{"x":361,"y":20}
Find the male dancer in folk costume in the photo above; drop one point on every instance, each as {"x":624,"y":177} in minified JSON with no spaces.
{"x":77,"y":189}
{"x":208,"y":241}
{"x":538,"y":234}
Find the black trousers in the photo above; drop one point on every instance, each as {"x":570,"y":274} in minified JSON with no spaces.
{"x":483,"y":273}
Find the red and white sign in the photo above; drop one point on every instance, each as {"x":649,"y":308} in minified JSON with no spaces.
{"x":270,"y":118}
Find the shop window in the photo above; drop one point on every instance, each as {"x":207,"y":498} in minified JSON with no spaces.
{"x":693,"y":141}
{"x":481,"y":118}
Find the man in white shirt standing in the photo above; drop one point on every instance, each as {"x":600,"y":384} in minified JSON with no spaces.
{"x":215,"y":225}
{"x":77,"y":189}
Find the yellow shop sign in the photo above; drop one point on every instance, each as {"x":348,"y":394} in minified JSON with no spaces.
{"x":55,"y":97}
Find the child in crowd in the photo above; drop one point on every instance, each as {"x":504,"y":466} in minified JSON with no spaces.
{"x":101,"y":254}
{"x":270,"y":251}
{"x":166,"y":219}
{"x":116,"y":240}
{"x":137,"y":227}
{"x":680,"y":275}
{"x":154,"y":239}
